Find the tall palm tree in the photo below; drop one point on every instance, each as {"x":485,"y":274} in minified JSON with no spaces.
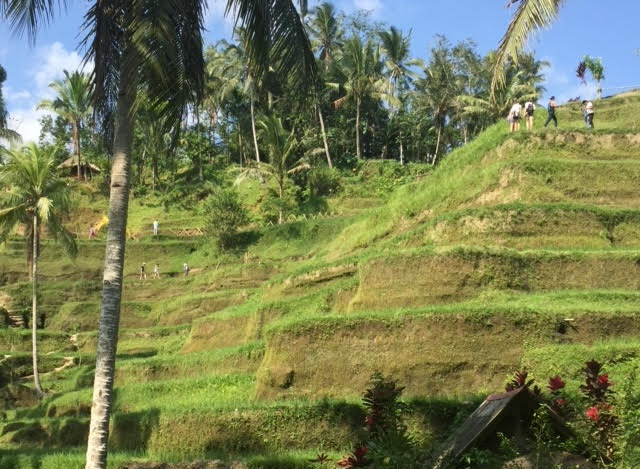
{"x":326,"y":33}
{"x":530,"y":16}
{"x":35,"y":197}
{"x":362,"y":71}
{"x":73,"y":103}
{"x":439,"y":88}
{"x":5,"y":132}
{"x":157,"y":43}
{"x":396,"y":47}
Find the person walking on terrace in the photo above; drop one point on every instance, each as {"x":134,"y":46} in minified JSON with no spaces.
{"x":587,"y":107}
{"x":529,"y":109}
{"x":143,"y":274}
{"x":155,"y":227}
{"x":515,"y":115}
{"x":185,"y":269}
{"x":551,"y":109}
{"x":156,"y":271}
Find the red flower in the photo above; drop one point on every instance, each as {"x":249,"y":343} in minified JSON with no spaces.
{"x":360,"y":452}
{"x":593,"y":413}
{"x":561,"y":402}
{"x":555,"y":384}
{"x":603,"y":380}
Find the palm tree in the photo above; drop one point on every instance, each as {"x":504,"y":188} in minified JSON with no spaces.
{"x":362,"y":68}
{"x":5,"y":132}
{"x":35,"y":197}
{"x":398,"y":63}
{"x":439,"y":89}
{"x":281,"y":145}
{"x":157,"y":43}
{"x":73,"y":103}
{"x":326,"y":33}
{"x":529,"y":17}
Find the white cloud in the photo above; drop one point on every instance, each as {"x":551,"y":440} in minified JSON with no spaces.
{"x":16,"y":96}
{"x":49,"y":63}
{"x":25,"y":121}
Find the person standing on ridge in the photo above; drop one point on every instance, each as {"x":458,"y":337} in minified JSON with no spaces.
{"x":185,"y":269}
{"x":143,"y":274}
{"x":515,"y":114}
{"x":587,"y":107}
{"x":551,"y":109}
{"x":92,"y":232}
{"x":156,"y":271}
{"x":155,"y":227}
{"x":529,"y":109}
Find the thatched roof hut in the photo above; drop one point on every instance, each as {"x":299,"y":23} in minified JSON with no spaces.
{"x":86,"y":169}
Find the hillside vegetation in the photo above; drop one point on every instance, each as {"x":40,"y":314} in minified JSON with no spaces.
{"x":516,"y":251}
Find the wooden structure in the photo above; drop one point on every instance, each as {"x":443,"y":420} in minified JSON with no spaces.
{"x":87,"y":170}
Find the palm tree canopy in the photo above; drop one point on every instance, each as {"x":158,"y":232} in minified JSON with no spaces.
{"x":73,"y":97}
{"x":326,"y":32}
{"x":34,"y":188}
{"x":529,"y":17}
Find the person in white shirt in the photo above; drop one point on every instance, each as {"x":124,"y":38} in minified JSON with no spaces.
{"x":587,"y":107}
{"x":155,"y":227}
{"x":529,"y":109}
{"x":515,"y":114}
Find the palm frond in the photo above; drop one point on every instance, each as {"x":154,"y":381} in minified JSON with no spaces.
{"x":275,"y":38}
{"x":529,"y":17}
{"x":26,"y":16}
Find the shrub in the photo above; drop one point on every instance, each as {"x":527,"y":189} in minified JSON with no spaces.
{"x":323,"y":181}
{"x":225,"y":215}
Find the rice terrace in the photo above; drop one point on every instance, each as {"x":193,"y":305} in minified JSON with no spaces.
{"x":281,"y":234}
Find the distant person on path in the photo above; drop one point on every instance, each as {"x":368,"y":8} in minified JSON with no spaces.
{"x":516,"y":114}
{"x":185,"y":269}
{"x":92,"y":232}
{"x":551,"y":109}
{"x":156,"y":271}
{"x":155,"y":227}
{"x":143,"y":274}
{"x":529,"y":109}
{"x":587,"y":107}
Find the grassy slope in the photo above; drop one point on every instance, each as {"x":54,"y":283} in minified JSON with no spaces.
{"x":484,"y":259}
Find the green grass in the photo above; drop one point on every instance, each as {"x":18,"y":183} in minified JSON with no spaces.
{"x":448,"y":278}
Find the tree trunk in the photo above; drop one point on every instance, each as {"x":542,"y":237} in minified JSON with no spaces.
{"x":324,"y":138}
{"x":113,"y":266}
{"x":401,"y":152}
{"x":280,"y":214}
{"x":599,"y":91}
{"x":435,"y":156}
{"x":253,"y":129}
{"x":34,"y":309}
{"x":200,"y":164}
{"x":76,"y":146}
{"x":358,"y":153}
{"x":154,"y":159}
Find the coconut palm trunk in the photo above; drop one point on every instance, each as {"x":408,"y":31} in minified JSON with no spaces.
{"x":324,"y":138}
{"x":76,"y":145}
{"x":253,"y":129}
{"x":113,"y":271}
{"x":34,"y":307}
{"x":401,"y":152}
{"x":435,"y":156}
{"x":358,"y":152}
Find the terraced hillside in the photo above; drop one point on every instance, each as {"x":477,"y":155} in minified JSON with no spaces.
{"x":518,"y":250}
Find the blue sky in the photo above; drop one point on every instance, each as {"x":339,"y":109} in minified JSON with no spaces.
{"x":593,"y":27}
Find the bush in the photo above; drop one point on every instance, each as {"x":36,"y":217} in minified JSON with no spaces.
{"x":225,"y":215}
{"x":323,"y":181}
